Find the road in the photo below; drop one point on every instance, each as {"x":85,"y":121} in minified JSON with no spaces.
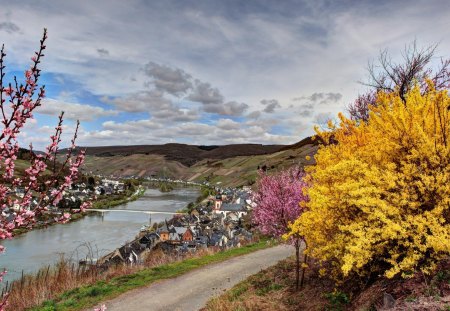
{"x":192,"y":290}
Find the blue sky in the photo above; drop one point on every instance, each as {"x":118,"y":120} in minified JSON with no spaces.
{"x":207,"y":72}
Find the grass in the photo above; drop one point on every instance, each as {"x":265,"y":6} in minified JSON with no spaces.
{"x":273,"y":289}
{"x":262,"y":291}
{"x":90,"y":295}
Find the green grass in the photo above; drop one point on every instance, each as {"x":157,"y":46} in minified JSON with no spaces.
{"x":88,"y":296}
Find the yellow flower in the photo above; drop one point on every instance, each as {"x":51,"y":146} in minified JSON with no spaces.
{"x":381,"y":195}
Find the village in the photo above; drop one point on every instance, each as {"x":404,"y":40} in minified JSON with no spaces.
{"x":90,"y":191}
{"x":218,"y":221}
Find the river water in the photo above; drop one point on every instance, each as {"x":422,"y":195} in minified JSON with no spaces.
{"x":94,"y":235}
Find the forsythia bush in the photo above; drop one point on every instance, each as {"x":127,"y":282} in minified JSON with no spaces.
{"x":380,"y":194}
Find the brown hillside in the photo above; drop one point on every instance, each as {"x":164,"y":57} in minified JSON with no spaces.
{"x":185,"y":154}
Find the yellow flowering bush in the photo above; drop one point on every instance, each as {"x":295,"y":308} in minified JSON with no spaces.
{"x":380,"y":191}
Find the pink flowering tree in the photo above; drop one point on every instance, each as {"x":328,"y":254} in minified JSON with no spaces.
{"x":46,"y":179}
{"x":278,"y":201}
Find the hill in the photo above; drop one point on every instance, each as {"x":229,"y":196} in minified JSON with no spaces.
{"x":229,"y":165}
{"x":187,"y":155}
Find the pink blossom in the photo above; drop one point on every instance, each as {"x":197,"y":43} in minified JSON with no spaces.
{"x":85,"y":206}
{"x":19,"y":220}
{"x":277,"y":201}
{"x":22,"y":103}
{"x":8,"y":90}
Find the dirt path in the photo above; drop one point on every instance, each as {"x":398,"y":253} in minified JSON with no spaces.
{"x":192,"y":290}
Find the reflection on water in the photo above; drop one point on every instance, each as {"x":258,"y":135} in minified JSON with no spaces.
{"x":95,"y":233}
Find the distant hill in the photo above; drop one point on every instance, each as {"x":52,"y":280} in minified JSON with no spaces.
{"x":229,"y":165}
{"x":187,"y":155}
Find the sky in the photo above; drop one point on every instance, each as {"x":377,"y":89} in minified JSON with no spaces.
{"x":206,"y":72}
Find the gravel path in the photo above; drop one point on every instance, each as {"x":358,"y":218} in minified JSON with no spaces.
{"x":192,"y":290}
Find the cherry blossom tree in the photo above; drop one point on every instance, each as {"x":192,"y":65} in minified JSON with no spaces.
{"x":46,"y":178}
{"x":279,"y":202}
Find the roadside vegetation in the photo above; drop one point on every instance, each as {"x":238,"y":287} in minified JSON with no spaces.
{"x":376,"y":217}
{"x":273,"y":289}
{"x":71,"y":287}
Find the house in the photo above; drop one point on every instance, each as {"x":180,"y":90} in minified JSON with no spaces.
{"x":163,"y":233}
{"x":218,"y":239}
{"x":181,"y":234}
{"x":175,"y":233}
{"x":150,"y":239}
{"x":236,"y":208}
{"x":188,"y":235}
{"x":201,"y":240}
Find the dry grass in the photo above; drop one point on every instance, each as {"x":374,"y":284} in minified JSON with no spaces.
{"x":273,"y":289}
{"x":48,"y":283}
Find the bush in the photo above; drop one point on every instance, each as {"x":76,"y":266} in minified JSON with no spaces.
{"x":380,"y":191}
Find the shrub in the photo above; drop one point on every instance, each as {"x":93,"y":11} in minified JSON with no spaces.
{"x":380,"y":194}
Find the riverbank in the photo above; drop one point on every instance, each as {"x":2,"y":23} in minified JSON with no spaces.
{"x":66,"y":287}
{"x":115,"y":201}
{"x":90,"y":237}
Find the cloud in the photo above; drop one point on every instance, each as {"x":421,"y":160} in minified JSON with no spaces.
{"x":207,"y":95}
{"x":253,"y":115}
{"x":321,"y":98}
{"x":228,"y":124}
{"x":193,"y":129}
{"x":169,"y":88}
{"x":317,"y":101}
{"x":132,"y":126}
{"x":103,"y":52}
{"x":142,"y":101}
{"x":306,"y":110}
{"x":74,"y":111}
{"x":270,"y":104}
{"x":224,"y":131}
{"x":155,"y":104}
{"x":176,"y":114}
{"x":9,"y":27}
{"x":171,"y":80}
{"x":213,"y":101}
{"x":234,"y":108}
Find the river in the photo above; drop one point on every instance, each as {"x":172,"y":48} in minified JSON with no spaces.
{"x":41,"y":247}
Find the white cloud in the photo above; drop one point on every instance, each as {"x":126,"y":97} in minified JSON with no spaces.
{"x":74,"y":111}
{"x":228,"y":124}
